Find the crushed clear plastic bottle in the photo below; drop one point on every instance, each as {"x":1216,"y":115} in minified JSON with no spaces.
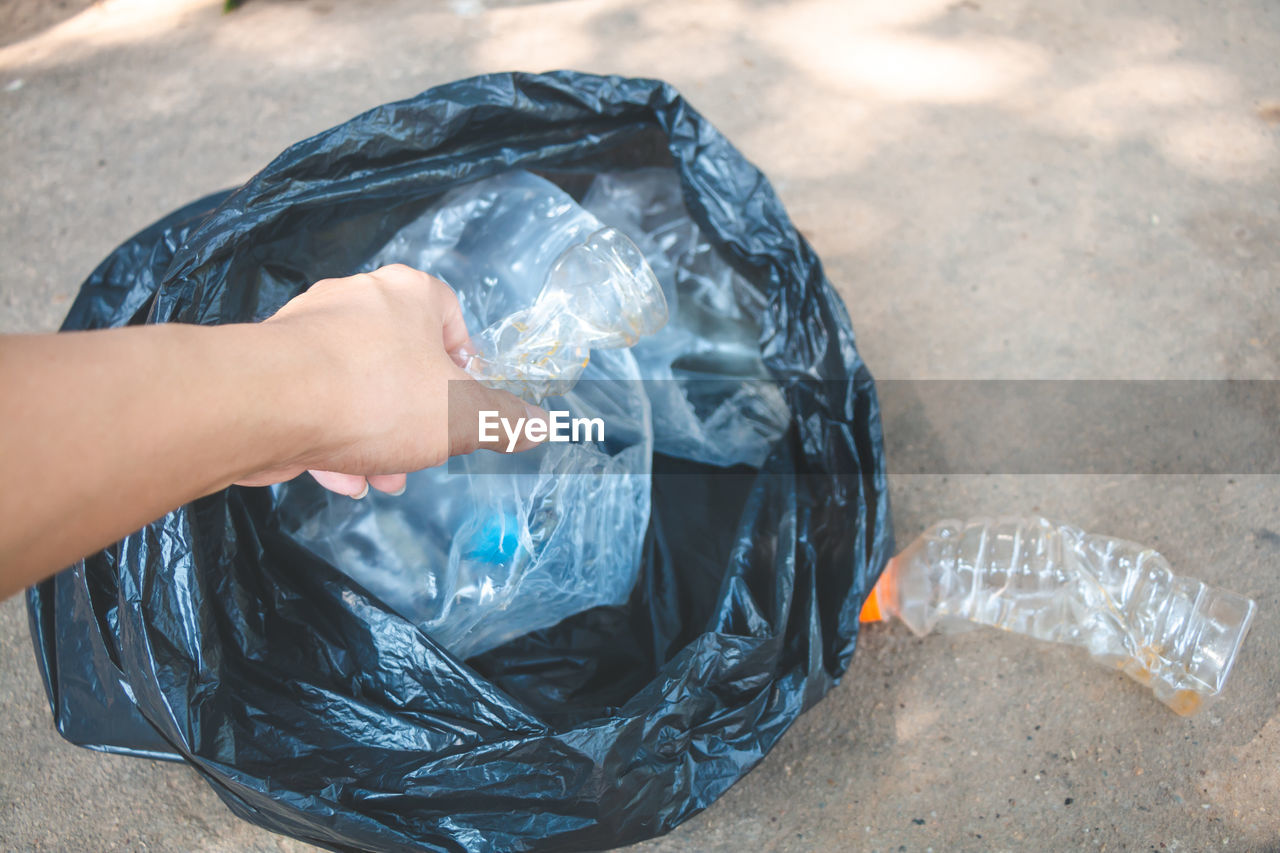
{"x":599,"y":294}
{"x":1117,"y":599}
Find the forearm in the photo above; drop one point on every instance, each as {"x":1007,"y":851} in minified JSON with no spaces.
{"x":106,"y":431}
{"x":103,"y":432}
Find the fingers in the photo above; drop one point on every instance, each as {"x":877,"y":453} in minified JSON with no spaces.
{"x":418,"y":307}
{"x":356,"y":487}
{"x":392,"y":484}
{"x":481,"y":417}
{"x":457,"y":341}
{"x":352,"y":485}
{"x":455,"y":337}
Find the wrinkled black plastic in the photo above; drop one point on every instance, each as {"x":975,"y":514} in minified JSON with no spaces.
{"x":316,"y":711}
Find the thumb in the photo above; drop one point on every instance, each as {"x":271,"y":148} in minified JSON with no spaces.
{"x":481,"y":417}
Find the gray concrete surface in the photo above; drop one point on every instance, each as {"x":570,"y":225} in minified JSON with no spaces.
{"x":999,"y":188}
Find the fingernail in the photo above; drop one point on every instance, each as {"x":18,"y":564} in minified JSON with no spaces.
{"x":363,"y":492}
{"x":398,"y":492}
{"x":535,"y":413}
{"x":463,"y":354}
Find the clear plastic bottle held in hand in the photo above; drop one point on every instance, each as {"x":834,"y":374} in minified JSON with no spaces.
{"x":544,"y":280}
{"x":599,"y":294}
{"x":1117,"y":599}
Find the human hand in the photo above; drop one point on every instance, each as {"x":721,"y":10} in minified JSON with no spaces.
{"x":379,"y":351}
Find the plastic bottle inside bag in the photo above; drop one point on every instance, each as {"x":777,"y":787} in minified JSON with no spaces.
{"x":494,"y":546}
{"x":714,"y":401}
{"x":1117,"y":599}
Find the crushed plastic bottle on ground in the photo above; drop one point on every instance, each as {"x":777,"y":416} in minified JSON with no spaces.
{"x":1117,"y":599}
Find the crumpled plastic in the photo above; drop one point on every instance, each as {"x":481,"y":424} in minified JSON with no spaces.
{"x":490,"y":547}
{"x":541,"y":282}
{"x":309,"y":704}
{"x":712,"y":398}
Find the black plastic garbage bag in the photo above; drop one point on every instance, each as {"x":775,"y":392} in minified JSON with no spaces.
{"x":316,"y":711}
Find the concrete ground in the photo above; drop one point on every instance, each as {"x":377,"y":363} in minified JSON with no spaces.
{"x":999,"y":188}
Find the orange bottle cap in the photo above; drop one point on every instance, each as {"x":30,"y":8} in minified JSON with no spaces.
{"x":870,"y":609}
